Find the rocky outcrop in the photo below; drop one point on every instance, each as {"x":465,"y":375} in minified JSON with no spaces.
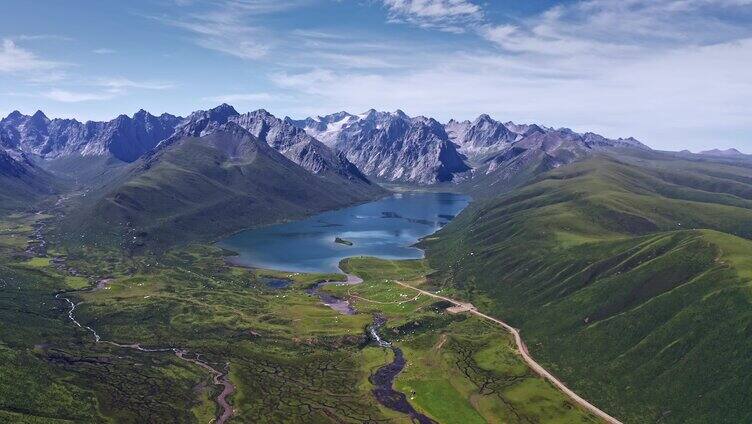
{"x":480,"y":136}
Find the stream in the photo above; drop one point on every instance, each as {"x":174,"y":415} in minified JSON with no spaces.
{"x":383,"y":378}
{"x":220,"y":378}
{"x":340,"y":305}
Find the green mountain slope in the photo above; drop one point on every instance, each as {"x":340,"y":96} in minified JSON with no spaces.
{"x":198,"y":189}
{"x":629,"y":276}
{"x":22,"y":183}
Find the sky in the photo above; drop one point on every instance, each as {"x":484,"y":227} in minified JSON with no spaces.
{"x":674,"y":74}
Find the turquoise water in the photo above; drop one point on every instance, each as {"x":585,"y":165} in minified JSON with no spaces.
{"x":385,"y":228}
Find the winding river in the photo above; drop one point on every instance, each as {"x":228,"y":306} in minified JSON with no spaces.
{"x":387,"y":228}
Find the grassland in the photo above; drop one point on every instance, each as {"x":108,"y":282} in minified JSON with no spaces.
{"x":460,"y":368}
{"x":291,"y":358}
{"x":629,"y":277}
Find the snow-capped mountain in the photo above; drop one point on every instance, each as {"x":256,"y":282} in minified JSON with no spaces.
{"x":480,"y":136}
{"x":21,"y":180}
{"x":297,"y":145}
{"x":537,"y":149}
{"x":325,"y":128}
{"x":391,"y":146}
{"x":395,"y":147}
{"x":485,"y":137}
{"x":283,"y":136}
{"x":129,"y":138}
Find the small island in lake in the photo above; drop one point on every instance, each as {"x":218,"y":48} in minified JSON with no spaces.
{"x":343,"y":241}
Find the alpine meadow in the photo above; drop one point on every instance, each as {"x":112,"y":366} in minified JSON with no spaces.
{"x":387,"y":211}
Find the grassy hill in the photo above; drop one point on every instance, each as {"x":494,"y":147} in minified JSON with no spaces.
{"x":202,"y":188}
{"x":629,"y":275}
{"x":23,"y":184}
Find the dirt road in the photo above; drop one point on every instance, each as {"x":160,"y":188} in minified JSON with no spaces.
{"x":525,"y":355}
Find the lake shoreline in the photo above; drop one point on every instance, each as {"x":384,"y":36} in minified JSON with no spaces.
{"x":389,"y":228}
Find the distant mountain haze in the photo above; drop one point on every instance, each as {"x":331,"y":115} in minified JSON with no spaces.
{"x":718,"y":152}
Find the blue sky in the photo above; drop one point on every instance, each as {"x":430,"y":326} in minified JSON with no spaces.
{"x":673,"y":73}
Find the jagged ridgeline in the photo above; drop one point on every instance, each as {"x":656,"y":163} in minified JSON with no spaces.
{"x":484,"y":156}
{"x":152,"y":182}
{"x":147,"y":182}
{"x":629,"y":275}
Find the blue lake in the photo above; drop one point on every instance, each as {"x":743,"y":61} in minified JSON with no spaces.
{"x":386,"y":228}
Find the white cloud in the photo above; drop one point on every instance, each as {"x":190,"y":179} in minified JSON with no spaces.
{"x":120,"y":84}
{"x":243,"y":49}
{"x":34,"y":37}
{"x":446,"y":15}
{"x":66,"y":96}
{"x":674,"y":73}
{"x":312,"y":82}
{"x":102,"y":89}
{"x":103,"y":51}
{"x":618,"y":29}
{"x":14,"y":58}
{"x":231,"y":27}
{"x":688,"y":97}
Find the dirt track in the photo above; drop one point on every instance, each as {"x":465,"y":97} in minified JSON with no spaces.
{"x":525,"y":355}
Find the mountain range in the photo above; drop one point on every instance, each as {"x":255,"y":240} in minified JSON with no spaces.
{"x":718,"y":152}
{"x":150,"y":175}
{"x":393,"y":147}
{"x":125,"y":138}
{"x":386,"y":146}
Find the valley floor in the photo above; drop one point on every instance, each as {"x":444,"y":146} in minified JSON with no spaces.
{"x":460,"y":306}
{"x":286,"y":356}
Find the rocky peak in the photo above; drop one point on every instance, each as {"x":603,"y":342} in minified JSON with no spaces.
{"x":270,"y":129}
{"x":483,"y":119}
{"x":142,"y":115}
{"x":222,"y":113}
{"x":14,"y":116}
{"x":480,"y":137}
{"x":124,"y":138}
{"x":369,"y":114}
{"x":11,"y":167}
{"x":39,"y":119}
{"x":391,"y":145}
{"x":532,"y":129}
{"x":401,"y":114}
{"x":120,"y":119}
{"x":203,"y":122}
{"x":281,"y":135}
